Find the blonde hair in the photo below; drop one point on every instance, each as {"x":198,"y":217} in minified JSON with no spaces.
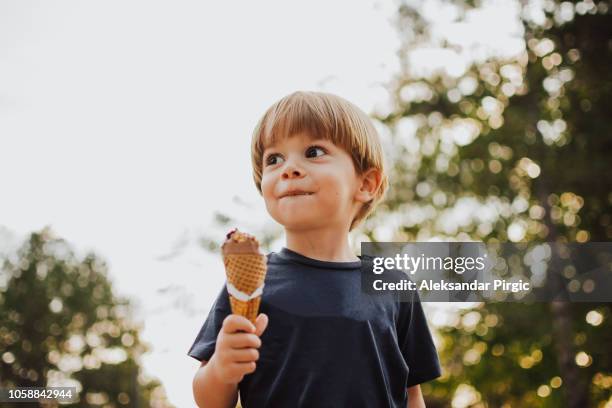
{"x":326,"y":116}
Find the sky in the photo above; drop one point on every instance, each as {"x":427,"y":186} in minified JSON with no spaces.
{"x":126,"y":125}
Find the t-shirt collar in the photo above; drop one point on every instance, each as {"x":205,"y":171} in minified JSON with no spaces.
{"x":290,"y":255}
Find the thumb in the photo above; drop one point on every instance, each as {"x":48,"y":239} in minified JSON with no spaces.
{"x":261,"y":323}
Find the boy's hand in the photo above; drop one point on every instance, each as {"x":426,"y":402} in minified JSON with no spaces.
{"x":236,"y":350}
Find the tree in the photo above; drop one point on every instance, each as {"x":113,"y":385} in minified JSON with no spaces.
{"x":62,"y":325}
{"x":510,"y":149}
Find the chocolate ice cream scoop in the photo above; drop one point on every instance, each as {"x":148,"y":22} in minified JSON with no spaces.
{"x":238,"y":242}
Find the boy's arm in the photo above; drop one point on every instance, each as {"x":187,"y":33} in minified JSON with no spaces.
{"x":415,"y":397}
{"x":215,"y":384}
{"x":208,"y":388}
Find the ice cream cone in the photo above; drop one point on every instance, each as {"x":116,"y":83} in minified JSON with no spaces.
{"x":245,"y":268}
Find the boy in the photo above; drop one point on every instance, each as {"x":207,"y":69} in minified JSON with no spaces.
{"x":319,"y":341}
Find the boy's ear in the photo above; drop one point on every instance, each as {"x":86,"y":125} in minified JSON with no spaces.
{"x":370,"y":182}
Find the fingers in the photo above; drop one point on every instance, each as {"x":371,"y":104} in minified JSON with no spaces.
{"x":243,"y":355}
{"x":260,"y":324}
{"x":238,"y":332}
{"x":245,"y":367}
{"x":241,"y":369}
{"x":234,"y":323}
{"x":233,"y":372}
{"x":236,"y":349}
{"x":243,"y":340}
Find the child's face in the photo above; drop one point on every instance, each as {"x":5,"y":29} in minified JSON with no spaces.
{"x":318,"y":167}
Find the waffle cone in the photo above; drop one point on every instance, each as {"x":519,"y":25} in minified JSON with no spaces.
{"x":247,"y":272}
{"x":248,"y":309}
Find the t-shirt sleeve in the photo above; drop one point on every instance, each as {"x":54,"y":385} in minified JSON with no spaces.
{"x":416,"y":343}
{"x":204,"y":344}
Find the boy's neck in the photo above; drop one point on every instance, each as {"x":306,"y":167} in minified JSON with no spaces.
{"x":323,"y":244}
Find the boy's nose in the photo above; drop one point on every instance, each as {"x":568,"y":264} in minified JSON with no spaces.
{"x":291,"y":171}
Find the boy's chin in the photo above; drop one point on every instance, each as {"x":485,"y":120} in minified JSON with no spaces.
{"x":303,"y":222}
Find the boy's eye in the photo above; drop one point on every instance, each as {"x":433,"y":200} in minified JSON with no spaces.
{"x":314,"y":149}
{"x":271,"y":159}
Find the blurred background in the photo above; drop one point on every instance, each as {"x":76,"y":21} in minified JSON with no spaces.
{"x":125,"y":156}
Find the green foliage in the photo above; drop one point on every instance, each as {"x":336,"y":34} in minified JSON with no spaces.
{"x":62,"y":325}
{"x":520,"y":134}
{"x":514,"y":148}
{"x":508,"y":353}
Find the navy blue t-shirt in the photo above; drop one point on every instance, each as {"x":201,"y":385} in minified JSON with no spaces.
{"x":327,"y":343}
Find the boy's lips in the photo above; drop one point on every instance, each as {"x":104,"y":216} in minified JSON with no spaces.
{"x":294,"y":193}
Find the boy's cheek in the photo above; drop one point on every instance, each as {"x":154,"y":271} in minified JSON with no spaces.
{"x":267,"y":195}
{"x":266,"y":192}
{"x":265,"y":187}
